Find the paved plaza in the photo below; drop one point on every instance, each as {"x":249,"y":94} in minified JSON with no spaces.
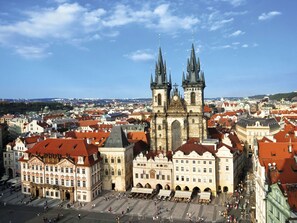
{"x":117,"y":207}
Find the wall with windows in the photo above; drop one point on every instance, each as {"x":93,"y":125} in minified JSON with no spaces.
{"x":117,"y":168}
{"x":194,"y":171}
{"x":152,"y":171}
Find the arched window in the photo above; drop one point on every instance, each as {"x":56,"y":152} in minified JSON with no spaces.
{"x":159,"y":127}
{"x":112,"y":160}
{"x":119,"y":172}
{"x":193,"y":98}
{"x":112,"y":171}
{"x":119,"y":160}
{"x":159,"y":99}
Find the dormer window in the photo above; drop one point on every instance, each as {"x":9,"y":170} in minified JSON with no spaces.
{"x":80,"y":160}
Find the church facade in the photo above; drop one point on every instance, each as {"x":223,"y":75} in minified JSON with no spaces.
{"x":177,"y":118}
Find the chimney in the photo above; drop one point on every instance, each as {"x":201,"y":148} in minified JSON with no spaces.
{"x":290,"y":146}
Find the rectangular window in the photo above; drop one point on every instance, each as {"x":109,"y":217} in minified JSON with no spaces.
{"x":56,"y":169}
{"x":78,"y":170}
{"x":182,"y":178}
{"x":168,"y":177}
{"x":66,"y":170}
{"x":176,"y":161}
{"x":210,"y":170}
{"x":41,"y":180}
{"x":182,"y":161}
{"x":47,"y":180}
{"x":210,"y":162}
{"x":210,"y":180}
{"x":194,"y":179}
{"x":51,"y":168}
{"x":72,"y":183}
{"x":204,"y":162}
{"x":187,"y":179}
{"x":199,"y":180}
{"x":46,"y":168}
{"x":78,"y":183}
{"x":182,"y":168}
{"x":56,"y":181}
{"x":33,"y":179}
{"x":147,"y":176}
{"x":204,"y":170}
{"x":194,"y":169}
{"x":84,"y":183}
{"x":32,"y":167}
{"x":40,"y":167}
{"x":62,"y":182}
{"x":71,"y":170}
{"x":177,"y":178}
{"x":193,"y":161}
{"x":227,"y":168}
{"x":62,"y":169}
{"x":163,"y":177}
{"x":176,"y":168}
{"x":136,"y":175}
{"x":83,"y":171}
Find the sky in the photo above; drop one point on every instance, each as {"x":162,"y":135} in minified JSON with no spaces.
{"x":108,"y":48}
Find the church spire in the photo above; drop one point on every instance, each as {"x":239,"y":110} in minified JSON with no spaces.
{"x":193,"y":75}
{"x":161,"y":79}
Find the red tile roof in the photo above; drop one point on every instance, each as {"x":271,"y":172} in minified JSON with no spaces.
{"x":189,"y":147}
{"x":138,"y":136}
{"x":96,"y":137}
{"x":66,"y":148}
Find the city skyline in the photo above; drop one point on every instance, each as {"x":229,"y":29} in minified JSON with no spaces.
{"x":108,"y":49}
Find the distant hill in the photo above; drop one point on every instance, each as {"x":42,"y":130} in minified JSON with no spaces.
{"x":278,"y":97}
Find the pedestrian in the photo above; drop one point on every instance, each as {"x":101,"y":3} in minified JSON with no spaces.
{"x":78,"y":216}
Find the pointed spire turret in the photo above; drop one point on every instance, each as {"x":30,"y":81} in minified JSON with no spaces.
{"x":161,"y":79}
{"x":193,"y":75}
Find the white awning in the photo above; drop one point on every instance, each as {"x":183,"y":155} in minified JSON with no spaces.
{"x":204,"y":195}
{"x":142,"y":190}
{"x":165,"y":193}
{"x":182,"y":194}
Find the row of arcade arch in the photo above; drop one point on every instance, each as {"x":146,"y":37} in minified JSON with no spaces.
{"x":177,"y":188}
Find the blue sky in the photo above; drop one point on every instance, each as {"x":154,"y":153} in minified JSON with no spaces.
{"x":108,"y":49}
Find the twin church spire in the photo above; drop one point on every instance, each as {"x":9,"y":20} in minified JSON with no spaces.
{"x":194,"y":74}
{"x":161,"y":79}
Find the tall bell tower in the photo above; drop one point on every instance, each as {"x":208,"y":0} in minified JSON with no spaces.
{"x":161,"y":88}
{"x":193,"y":84}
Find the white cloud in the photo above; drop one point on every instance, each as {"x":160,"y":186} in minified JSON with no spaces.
{"x":245,"y":46}
{"x":76,"y":24}
{"x":160,"y":18}
{"x":269,"y":15}
{"x":32,"y":52}
{"x":215,"y":20}
{"x":235,"y":13}
{"x":236,"y":33}
{"x":219,"y":24}
{"x":140,"y":55}
{"x":235,"y":3}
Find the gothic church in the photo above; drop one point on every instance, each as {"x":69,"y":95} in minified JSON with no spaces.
{"x":176,"y":119}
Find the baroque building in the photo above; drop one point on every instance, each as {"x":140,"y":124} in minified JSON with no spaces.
{"x":175,"y":119}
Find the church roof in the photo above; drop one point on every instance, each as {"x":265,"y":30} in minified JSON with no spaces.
{"x":117,"y":138}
